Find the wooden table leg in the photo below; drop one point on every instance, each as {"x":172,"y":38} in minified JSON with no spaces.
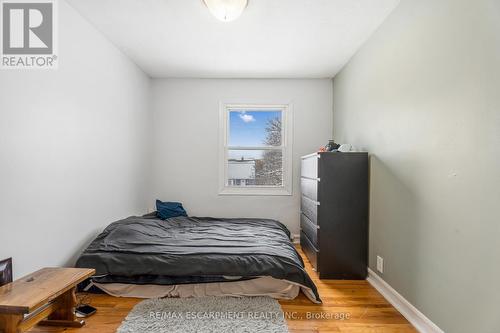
{"x":65,"y":314}
{"x":9,"y":323}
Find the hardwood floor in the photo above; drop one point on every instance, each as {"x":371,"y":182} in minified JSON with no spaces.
{"x":348,"y":306}
{"x":367,"y":310}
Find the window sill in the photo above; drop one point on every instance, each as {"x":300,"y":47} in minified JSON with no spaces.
{"x":255,"y":191}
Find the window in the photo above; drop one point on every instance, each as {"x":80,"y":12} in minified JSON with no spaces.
{"x":256,"y":149}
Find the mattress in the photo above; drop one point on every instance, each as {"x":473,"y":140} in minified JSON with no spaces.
{"x":263,"y":286}
{"x":197,"y":250}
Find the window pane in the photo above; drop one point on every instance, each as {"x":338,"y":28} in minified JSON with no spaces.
{"x":255,"y":168}
{"x":250,"y":128}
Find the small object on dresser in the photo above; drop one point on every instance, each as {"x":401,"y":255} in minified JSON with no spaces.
{"x":332,"y":146}
{"x":344,"y":148}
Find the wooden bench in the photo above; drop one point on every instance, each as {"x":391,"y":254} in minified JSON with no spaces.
{"x":46,"y":297}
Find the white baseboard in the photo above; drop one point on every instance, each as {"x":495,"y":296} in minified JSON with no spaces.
{"x":295,"y":238}
{"x":415,"y":317}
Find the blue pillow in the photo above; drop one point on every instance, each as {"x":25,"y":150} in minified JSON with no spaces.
{"x":167,"y":210}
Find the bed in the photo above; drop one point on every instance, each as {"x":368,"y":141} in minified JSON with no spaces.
{"x":197,"y":256}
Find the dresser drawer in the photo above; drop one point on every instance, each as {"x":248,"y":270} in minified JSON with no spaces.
{"x":310,"y":229}
{"x":309,"y":208}
{"x":309,"y":166}
{"x":309,"y":250}
{"x":309,"y":188}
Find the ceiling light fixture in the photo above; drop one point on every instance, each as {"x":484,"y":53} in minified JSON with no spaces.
{"x":226,"y":10}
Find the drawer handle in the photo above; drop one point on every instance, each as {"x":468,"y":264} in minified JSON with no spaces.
{"x":316,"y":203}
{"x":311,"y":178}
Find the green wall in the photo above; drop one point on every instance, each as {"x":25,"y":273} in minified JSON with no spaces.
{"x":423,"y":97}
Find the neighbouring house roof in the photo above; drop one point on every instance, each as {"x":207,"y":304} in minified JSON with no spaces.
{"x":241,"y":169}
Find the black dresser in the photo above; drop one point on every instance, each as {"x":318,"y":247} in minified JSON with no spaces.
{"x":334,"y":213}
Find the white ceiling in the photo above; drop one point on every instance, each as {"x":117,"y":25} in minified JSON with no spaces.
{"x":272,"y":38}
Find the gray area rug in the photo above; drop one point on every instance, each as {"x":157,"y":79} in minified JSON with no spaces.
{"x":206,"y":315}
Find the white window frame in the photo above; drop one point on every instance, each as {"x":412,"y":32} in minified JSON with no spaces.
{"x":287,"y":121}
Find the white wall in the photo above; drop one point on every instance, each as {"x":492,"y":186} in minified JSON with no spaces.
{"x":423,"y":97}
{"x":185,"y":149}
{"x":73,"y":148}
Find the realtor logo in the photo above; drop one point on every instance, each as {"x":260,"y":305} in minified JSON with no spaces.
{"x":28,"y":34}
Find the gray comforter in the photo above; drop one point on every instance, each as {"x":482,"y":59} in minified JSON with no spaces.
{"x":195,"y":247}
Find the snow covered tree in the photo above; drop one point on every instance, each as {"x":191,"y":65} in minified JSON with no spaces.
{"x":269,"y":170}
